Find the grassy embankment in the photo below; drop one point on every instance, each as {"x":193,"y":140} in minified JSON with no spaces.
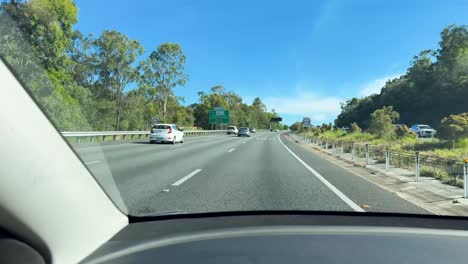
{"x":431,"y":149}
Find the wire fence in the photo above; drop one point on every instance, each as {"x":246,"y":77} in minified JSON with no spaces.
{"x":449,"y":171}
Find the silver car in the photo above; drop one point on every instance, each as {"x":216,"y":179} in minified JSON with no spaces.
{"x":423,"y":130}
{"x":243,"y":131}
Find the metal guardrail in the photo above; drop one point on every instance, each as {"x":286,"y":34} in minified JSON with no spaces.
{"x":92,"y":135}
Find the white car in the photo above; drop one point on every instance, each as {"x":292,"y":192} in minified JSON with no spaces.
{"x":232,"y":130}
{"x":166,"y":133}
{"x":423,"y":130}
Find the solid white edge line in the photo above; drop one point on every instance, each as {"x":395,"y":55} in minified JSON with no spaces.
{"x":231,"y":150}
{"x":330,"y":186}
{"x":91,"y":162}
{"x":179,"y":182}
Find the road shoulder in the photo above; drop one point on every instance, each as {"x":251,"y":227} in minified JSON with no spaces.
{"x":412,"y":192}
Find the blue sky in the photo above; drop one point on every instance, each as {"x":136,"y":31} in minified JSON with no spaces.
{"x":301,"y":57}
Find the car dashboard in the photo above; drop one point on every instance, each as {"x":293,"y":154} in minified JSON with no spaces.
{"x":281,"y":238}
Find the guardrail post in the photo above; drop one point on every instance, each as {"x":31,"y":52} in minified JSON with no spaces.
{"x":387,"y":160}
{"x":79,"y":140}
{"x":465,"y":179}
{"x":416,"y":165}
{"x":114,"y":137}
{"x":352,"y":150}
{"x":326,"y":144}
{"x":103,"y":138}
{"x":367,"y":153}
{"x":92,"y":139}
{"x":342,"y":147}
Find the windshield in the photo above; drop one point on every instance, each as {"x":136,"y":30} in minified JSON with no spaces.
{"x":424,"y":127}
{"x":333,"y":88}
{"x":161,"y":127}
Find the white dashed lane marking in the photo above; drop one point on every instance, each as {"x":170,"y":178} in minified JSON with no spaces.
{"x":190,"y":175}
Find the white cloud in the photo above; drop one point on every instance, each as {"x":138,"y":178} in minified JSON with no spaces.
{"x":318,"y":108}
{"x":374,"y":86}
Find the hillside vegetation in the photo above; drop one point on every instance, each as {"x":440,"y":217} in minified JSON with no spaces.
{"x":433,"y":91}
{"x":434,"y":86}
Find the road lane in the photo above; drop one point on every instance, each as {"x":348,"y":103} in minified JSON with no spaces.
{"x":128,"y":150}
{"x":325,"y":182}
{"x":143,"y":169}
{"x":259,"y":175}
{"x":229,"y":173}
{"x":362,"y":192}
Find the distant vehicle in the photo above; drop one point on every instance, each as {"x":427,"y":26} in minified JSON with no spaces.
{"x":244,"y":131}
{"x":276,"y":130}
{"x":423,"y":130}
{"x":345,"y":128}
{"x":232,"y":130}
{"x":253,"y":130}
{"x":166,"y":133}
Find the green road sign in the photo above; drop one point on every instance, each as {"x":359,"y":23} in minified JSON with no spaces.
{"x":219,"y":117}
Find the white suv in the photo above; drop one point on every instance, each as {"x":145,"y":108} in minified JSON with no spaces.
{"x":423,"y":130}
{"x":232,"y":130}
{"x":166,"y":133}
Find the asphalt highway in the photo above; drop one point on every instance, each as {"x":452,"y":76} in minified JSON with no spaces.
{"x":267,"y":171}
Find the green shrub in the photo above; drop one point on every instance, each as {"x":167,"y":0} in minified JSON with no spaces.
{"x":441,"y":175}
{"x":454,"y":127}
{"x":455,"y":154}
{"x":381,"y":122}
{"x":462,"y":143}
{"x":355,"y":128}
{"x":296,"y":126}
{"x":403,"y":131}
{"x":357,"y":137}
{"x":434,"y":173}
